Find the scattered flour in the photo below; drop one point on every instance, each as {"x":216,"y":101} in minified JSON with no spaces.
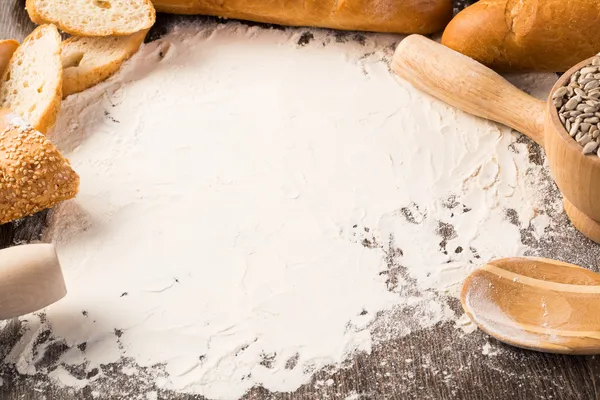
{"x":249,"y":206}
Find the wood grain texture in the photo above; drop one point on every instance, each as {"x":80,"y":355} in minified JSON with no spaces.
{"x":537,"y":304}
{"x":440,"y":363}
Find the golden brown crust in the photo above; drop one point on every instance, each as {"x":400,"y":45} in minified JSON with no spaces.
{"x":7,"y":48}
{"x":93,"y":68}
{"x":398,"y":16}
{"x":33,"y":174}
{"x":527,"y":35}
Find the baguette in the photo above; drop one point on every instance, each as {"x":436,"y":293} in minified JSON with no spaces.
{"x":94,"y":17}
{"x":88,"y":61}
{"x":33,"y":174}
{"x":527,"y":35}
{"x":7,"y":48}
{"x":398,"y":16}
{"x":31,"y":85}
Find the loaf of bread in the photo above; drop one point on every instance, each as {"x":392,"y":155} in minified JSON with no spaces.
{"x":527,"y":35}
{"x":399,"y":16}
{"x":33,"y":174}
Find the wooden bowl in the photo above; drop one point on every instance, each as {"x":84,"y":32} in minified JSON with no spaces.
{"x":576,"y":175}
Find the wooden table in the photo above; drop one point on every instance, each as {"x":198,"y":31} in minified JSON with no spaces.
{"x":444,"y":362}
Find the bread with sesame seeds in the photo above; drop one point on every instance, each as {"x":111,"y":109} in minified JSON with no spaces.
{"x":33,"y":174}
{"x":31,"y":86}
{"x":7,"y":48}
{"x":88,"y":61}
{"x":94,"y":17}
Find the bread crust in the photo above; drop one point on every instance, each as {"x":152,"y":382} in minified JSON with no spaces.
{"x":93,"y":68}
{"x":7,"y":48}
{"x":397,"y":16}
{"x":527,"y":35}
{"x":39,"y":17}
{"x":33,"y":174}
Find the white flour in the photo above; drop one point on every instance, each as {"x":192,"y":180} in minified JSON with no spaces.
{"x":248,"y":206}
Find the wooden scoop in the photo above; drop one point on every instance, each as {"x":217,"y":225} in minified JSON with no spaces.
{"x":536,"y":304}
{"x":30,"y":279}
{"x":468,"y":85}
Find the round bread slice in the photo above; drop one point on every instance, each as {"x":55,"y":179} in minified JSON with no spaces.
{"x":33,"y":174}
{"x":31,"y":85}
{"x":88,"y":61}
{"x":7,"y":48}
{"x":94,"y":17}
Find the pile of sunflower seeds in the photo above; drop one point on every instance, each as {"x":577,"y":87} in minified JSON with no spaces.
{"x":578,"y":106}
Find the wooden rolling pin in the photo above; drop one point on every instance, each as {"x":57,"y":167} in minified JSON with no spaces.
{"x":470,"y":86}
{"x":30,"y":279}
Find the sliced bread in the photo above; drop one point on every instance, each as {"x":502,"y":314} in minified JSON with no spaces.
{"x":33,"y":174}
{"x":7,"y":48}
{"x":31,"y":86}
{"x":94,"y":17}
{"x":88,"y":61}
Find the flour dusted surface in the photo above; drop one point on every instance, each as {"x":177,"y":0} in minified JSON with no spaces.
{"x":248,"y":207}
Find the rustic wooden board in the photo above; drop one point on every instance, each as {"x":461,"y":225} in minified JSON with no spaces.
{"x":444,"y":362}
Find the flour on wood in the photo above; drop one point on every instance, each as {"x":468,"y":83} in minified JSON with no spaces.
{"x":252,"y":211}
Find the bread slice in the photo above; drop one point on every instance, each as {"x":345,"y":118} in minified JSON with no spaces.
{"x":94,"y":17}
{"x":88,"y":61}
{"x":31,"y":86}
{"x":7,"y":48}
{"x":33,"y":174}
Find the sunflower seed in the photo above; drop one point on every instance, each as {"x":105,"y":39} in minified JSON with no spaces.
{"x":585,"y":139}
{"x":575,"y":113}
{"x":586,"y":115}
{"x":585,"y":81}
{"x":588,"y":70}
{"x":557,"y":102}
{"x":572,"y":119}
{"x":593,"y":103}
{"x":570,"y":91}
{"x":593,"y":84}
{"x":574,"y":128}
{"x":592,"y":120}
{"x":560,"y":92}
{"x":572,"y":103}
{"x":595,"y":133}
{"x":585,"y":127}
{"x":562,"y":119}
{"x":581,"y":107}
{"x":590,"y":109}
{"x":579,"y":92}
{"x":577,"y":137}
{"x":568,"y":126}
{"x":590,"y":147}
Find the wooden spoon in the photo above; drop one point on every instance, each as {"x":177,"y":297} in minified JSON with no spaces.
{"x":468,"y":85}
{"x":30,"y":279}
{"x":536,"y":304}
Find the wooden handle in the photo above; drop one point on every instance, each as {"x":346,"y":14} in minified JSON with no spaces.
{"x":468,"y":85}
{"x":30,"y":279}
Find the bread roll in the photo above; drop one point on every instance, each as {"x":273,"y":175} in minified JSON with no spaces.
{"x":33,"y":174}
{"x":400,"y":16}
{"x":527,"y":35}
